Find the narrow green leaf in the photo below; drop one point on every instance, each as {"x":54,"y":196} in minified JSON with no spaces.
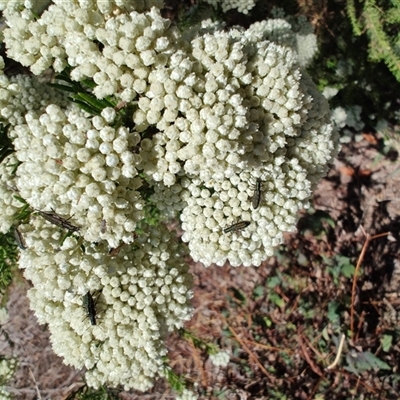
{"x":89,"y":99}
{"x":85,"y":107}
{"x":375,"y":362}
{"x":64,"y":88}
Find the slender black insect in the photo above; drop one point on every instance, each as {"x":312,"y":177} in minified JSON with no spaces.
{"x":19,"y":239}
{"x":90,"y":307}
{"x":55,"y":219}
{"x":238,"y":226}
{"x":256,"y":199}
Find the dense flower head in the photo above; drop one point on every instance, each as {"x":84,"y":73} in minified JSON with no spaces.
{"x":220,"y":359}
{"x":226,"y":131}
{"x":20,"y":94}
{"x":247,"y":114}
{"x":9,"y":204}
{"x":243,"y":6}
{"x":234,"y":118}
{"x":8,"y":366}
{"x":140,"y":292}
{"x":187,"y":395}
{"x":294,"y":32}
{"x":115,"y":49}
{"x":80,"y":168}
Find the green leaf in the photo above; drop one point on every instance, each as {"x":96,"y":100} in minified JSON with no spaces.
{"x":91,"y":100}
{"x":82,"y":105}
{"x":176,"y":381}
{"x":258,"y":292}
{"x":268,"y":322}
{"x":273,"y":281}
{"x":386,"y":342}
{"x":359,"y":362}
{"x":64,"y":88}
{"x":375,"y":362}
{"x":346,"y":267}
{"x":332,"y":311}
{"x":348,"y":270}
{"x":275,"y":298}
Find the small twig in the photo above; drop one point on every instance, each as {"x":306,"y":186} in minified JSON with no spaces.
{"x":267,"y":347}
{"x":36,"y":385}
{"x":307,"y":357}
{"x":198,"y":362}
{"x":339,"y":353}
{"x":360,"y":324}
{"x":311,"y":346}
{"x":251,"y":354}
{"x":359,"y":262}
{"x":316,"y":386}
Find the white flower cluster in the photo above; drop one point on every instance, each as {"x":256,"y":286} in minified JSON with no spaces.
{"x":220,"y":359}
{"x":5,"y":394}
{"x":296,"y":33}
{"x":140,"y":294}
{"x":229,"y":133}
{"x":82,"y":168}
{"x":9,"y":205}
{"x":236,"y":115}
{"x":67,"y":161}
{"x":20,"y":94}
{"x":116,"y":49}
{"x":7,"y":370}
{"x":243,"y":6}
{"x":3,"y":315}
{"x":241,"y":133}
{"x":186,"y":395}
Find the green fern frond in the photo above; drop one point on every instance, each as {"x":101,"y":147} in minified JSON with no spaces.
{"x":380,"y":46}
{"x":393,"y":15}
{"x":175,"y":381}
{"x":381,"y":28}
{"x":351,"y":12}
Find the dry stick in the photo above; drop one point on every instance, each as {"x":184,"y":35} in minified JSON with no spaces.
{"x":360,"y":324}
{"x":307,"y":357}
{"x":251,"y":354}
{"x":36,"y":385}
{"x":339,"y":353}
{"x":266,"y":347}
{"x":198,"y":363}
{"x":316,"y":386}
{"x":359,"y":261}
{"x":311,"y":346}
